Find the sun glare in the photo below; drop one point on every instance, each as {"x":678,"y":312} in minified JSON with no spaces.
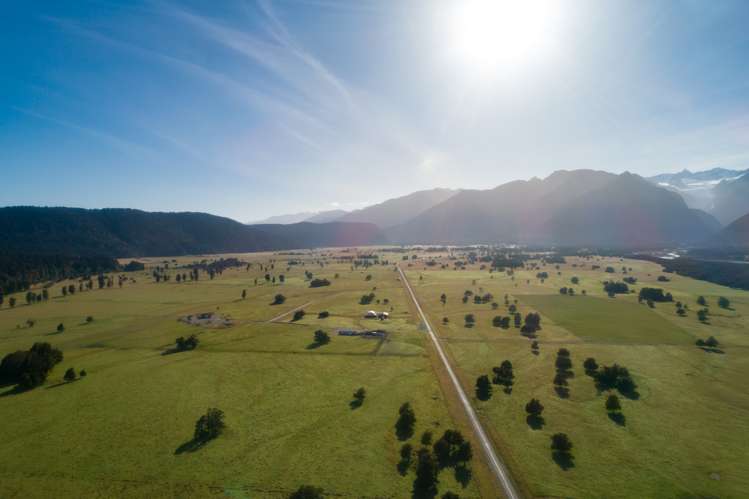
{"x":492,"y":35}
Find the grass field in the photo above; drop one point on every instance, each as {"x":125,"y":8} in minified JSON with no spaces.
{"x":120,"y":432}
{"x":686,"y":434}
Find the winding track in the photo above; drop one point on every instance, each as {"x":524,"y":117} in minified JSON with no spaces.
{"x":495,"y":463}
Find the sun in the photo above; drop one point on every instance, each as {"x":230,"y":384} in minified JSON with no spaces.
{"x":491,"y":35}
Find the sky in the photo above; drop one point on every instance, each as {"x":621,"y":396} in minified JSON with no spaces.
{"x":248,"y":109}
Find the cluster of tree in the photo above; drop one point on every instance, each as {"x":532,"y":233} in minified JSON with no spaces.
{"x":70,"y":375}
{"x":483,"y":299}
{"x":563,"y":365}
{"x":567,"y":291}
{"x":189,"y":343}
{"x":654,"y":295}
{"x":615,"y":288}
{"x":504,"y":376}
{"x":615,"y":377}
{"x":542,"y":275}
{"x":19,"y":271}
{"x":30,"y":368}
{"x":317,"y":283}
{"x":531,"y":325}
{"x":452,"y":450}
{"x":500,"y":321}
{"x":710,"y":345}
{"x":367,"y":299}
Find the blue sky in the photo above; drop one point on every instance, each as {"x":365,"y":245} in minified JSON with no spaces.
{"x":249,"y":109}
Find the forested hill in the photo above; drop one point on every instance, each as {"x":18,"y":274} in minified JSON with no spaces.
{"x":118,"y":232}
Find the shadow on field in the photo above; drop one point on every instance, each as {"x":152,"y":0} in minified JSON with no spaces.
{"x":535,"y":422}
{"x":618,"y":418}
{"x":190,"y":446}
{"x":62,"y":383}
{"x":712,"y":350}
{"x":355,"y":404}
{"x":562,"y":391}
{"x":564,"y":460}
{"x":16,"y":390}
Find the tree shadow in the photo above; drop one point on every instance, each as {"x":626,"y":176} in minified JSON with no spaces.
{"x":314,"y":345}
{"x":535,"y":421}
{"x":535,"y":352}
{"x":463,"y":475}
{"x":618,"y":418}
{"x":507,"y":390}
{"x":62,"y":383}
{"x":564,"y":460}
{"x":191,"y":445}
{"x":712,"y":350}
{"x":562,"y":391}
{"x":355,"y":404}
{"x":16,"y":390}
{"x":403,"y":466}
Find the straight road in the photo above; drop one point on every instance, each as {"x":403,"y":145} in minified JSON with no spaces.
{"x":495,"y":463}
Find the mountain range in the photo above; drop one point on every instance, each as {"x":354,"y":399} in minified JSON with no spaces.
{"x":721,"y":192}
{"x":578,"y":208}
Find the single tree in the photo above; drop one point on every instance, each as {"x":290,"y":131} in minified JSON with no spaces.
{"x":534,"y":408}
{"x":321,"y":337}
{"x":209,"y":425}
{"x":360,"y":395}
{"x":69,"y":375}
{"x":60,"y":327}
{"x":724,"y":302}
{"x":483,"y":388}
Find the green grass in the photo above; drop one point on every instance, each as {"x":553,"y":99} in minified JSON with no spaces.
{"x":607,"y":320}
{"x":684,"y":436}
{"x":116,"y":432}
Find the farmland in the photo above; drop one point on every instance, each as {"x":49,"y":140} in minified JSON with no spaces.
{"x":683,"y":434}
{"x":125,"y":429}
{"x":120,"y":431}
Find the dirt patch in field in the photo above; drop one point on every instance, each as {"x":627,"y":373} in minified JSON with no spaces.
{"x":208,"y":319}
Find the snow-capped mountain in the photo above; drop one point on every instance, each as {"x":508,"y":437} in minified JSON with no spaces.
{"x":705,"y":190}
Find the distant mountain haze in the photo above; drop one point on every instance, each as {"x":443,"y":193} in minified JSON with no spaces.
{"x":399,"y":210}
{"x":575,"y":208}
